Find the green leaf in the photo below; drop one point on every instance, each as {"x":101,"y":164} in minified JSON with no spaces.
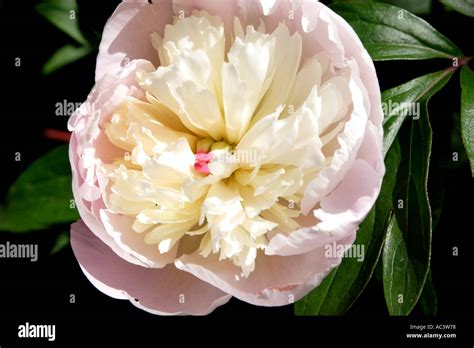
{"x":344,"y":284}
{"x":65,"y":55}
{"x":407,"y":249}
{"x":417,"y":7}
{"x":465,"y":7}
{"x":467,"y":112}
{"x":389,"y":32}
{"x":62,"y":14}
{"x":420,"y":7}
{"x":378,"y":272}
{"x":404,"y":101}
{"x":61,"y":241}
{"x":41,"y":196}
{"x":401,"y":282}
{"x":429,"y":298}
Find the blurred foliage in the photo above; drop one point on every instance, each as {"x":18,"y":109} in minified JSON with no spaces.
{"x":466,"y":7}
{"x":64,"y":15}
{"x":41,"y":196}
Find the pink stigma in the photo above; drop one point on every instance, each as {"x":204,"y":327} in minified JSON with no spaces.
{"x":201,"y":161}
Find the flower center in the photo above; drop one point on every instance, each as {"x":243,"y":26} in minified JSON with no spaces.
{"x":201,"y":161}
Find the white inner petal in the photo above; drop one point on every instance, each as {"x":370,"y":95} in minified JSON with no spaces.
{"x":224,"y":144}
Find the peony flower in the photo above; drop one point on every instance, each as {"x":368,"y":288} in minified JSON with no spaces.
{"x":224,"y":145}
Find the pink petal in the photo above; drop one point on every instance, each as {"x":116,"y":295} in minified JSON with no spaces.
{"x":348,"y":143}
{"x":350,"y":46}
{"x":158,"y":291}
{"x":108,"y":93}
{"x":276,"y":281}
{"x":323,"y":29}
{"x":119,"y":227}
{"x":89,"y":145}
{"x":126,"y":34}
{"x":247,"y":11}
{"x":85,"y":208}
{"x":114,"y":230}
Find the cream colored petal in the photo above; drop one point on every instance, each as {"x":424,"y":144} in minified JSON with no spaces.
{"x":258,"y":226}
{"x":287,"y":63}
{"x":222,"y":209}
{"x":134,"y":124}
{"x":157,"y":43}
{"x":335,"y":101}
{"x":245,"y":80}
{"x":164,"y":115}
{"x":168,"y":234}
{"x":183,"y":87}
{"x":199,"y":231}
{"x":264,"y":180}
{"x":252,"y":204}
{"x":290,"y":141}
{"x":164,"y":216}
{"x":172,"y":167}
{"x":309,"y":76}
{"x":281,"y":216}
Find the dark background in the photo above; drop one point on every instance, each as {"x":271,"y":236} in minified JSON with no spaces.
{"x":40,"y":291}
